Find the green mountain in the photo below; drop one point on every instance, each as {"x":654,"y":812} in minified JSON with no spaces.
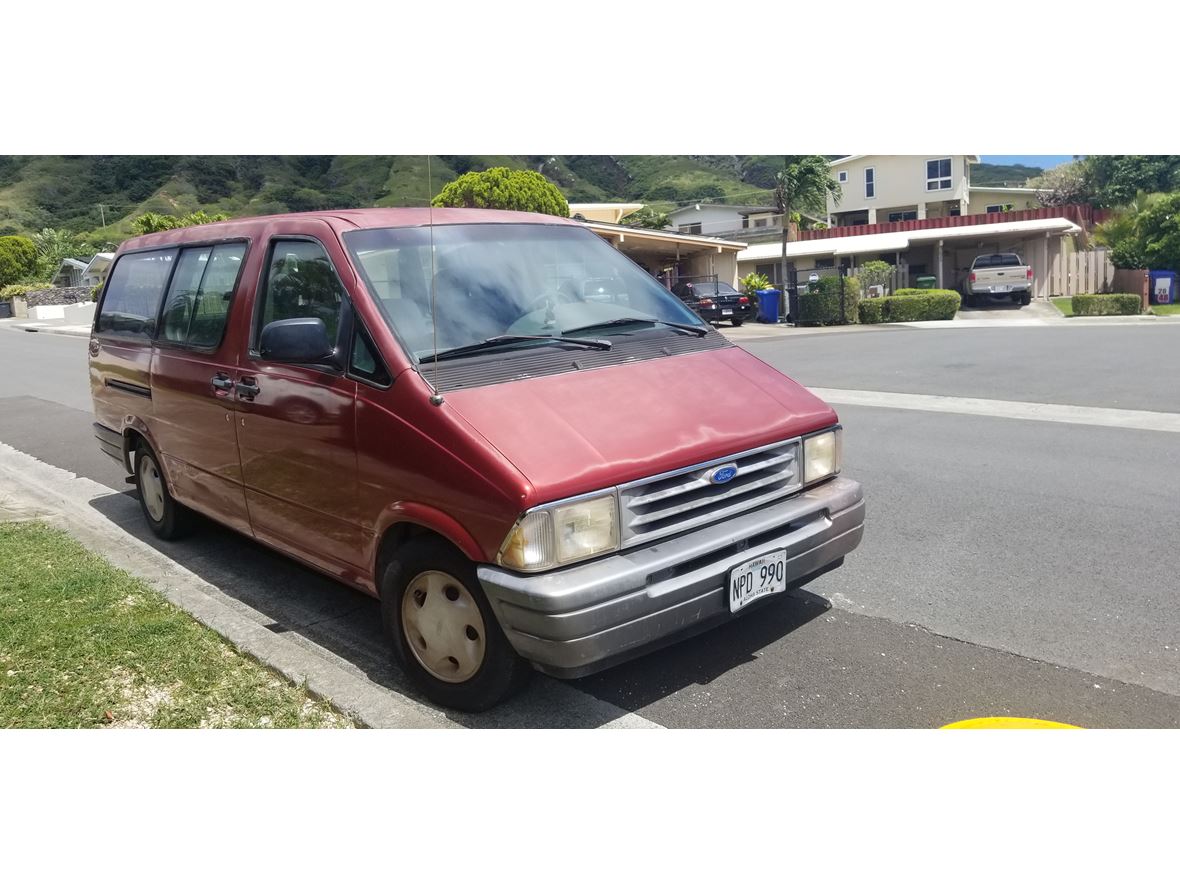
{"x":995,"y":175}
{"x":98,"y":196}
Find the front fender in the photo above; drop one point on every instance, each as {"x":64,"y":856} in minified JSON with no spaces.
{"x":428,"y":517}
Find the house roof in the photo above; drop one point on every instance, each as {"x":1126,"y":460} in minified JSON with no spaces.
{"x":902,"y":240}
{"x":1006,"y":190}
{"x":641,"y":234}
{"x":741,"y":210}
{"x":74,"y":262}
{"x":971,"y":158}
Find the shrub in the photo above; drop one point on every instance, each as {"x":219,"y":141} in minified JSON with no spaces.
{"x":927,"y":304}
{"x":876,"y":273}
{"x":752,"y":282}
{"x":1106,"y":305}
{"x":821,"y":303}
{"x":18,"y":259}
{"x":15,"y":289}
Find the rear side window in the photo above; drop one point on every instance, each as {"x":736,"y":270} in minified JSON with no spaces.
{"x":198,"y":301}
{"x":134,"y":292}
{"x":300,"y":282}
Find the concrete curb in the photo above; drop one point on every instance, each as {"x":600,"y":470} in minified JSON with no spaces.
{"x":64,"y":499}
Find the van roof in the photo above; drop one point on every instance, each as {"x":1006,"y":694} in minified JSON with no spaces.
{"x":341,"y":220}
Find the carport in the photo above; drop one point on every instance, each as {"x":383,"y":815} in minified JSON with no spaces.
{"x":670,"y":255}
{"x":945,"y":253}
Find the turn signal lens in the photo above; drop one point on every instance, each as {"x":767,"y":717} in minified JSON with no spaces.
{"x":562,"y":533}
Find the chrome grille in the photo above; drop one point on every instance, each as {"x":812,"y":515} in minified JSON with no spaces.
{"x":684,"y":499}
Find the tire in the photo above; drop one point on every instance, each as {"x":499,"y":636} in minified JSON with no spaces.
{"x":737,"y":322}
{"x":166,"y":517}
{"x":443,"y":632}
{"x":1026,"y":299}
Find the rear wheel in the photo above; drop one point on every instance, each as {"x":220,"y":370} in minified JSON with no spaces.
{"x":166,"y":517}
{"x":1026,"y":299}
{"x":737,"y":322}
{"x":443,"y":631}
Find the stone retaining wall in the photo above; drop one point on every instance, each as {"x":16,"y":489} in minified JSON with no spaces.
{"x":66,"y":295}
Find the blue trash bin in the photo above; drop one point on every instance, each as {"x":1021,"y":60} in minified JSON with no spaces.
{"x":768,"y":305}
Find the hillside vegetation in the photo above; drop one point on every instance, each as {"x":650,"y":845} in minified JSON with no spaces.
{"x":98,"y":196}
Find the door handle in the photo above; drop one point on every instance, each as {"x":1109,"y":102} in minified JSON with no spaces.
{"x":247,"y":389}
{"x":222,"y":382}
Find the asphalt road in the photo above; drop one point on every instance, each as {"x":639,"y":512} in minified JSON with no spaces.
{"x":1009,"y":568}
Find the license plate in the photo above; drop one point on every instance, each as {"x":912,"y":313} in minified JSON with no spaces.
{"x":757,"y":578}
{"x":1002,"y":289}
{"x":725,"y":312}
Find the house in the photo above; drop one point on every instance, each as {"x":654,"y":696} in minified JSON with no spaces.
{"x":718,"y":220}
{"x":96,"y":271}
{"x":70,"y":272}
{"x":611,"y":213}
{"x":879,"y":188}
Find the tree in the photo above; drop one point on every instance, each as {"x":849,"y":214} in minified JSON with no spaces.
{"x":501,"y":188}
{"x":648,"y":218}
{"x":1116,"y":179}
{"x":1145,"y":233}
{"x":53,"y":247}
{"x":803,"y":185}
{"x":875,"y":273}
{"x":1064,"y":185}
{"x":18,"y":259}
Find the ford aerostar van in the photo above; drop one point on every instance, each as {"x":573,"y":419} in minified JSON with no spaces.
{"x":520,"y":442}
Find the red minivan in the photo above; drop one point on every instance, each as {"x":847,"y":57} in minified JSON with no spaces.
{"x":520,"y":442}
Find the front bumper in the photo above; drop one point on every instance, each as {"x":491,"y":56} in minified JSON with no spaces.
{"x":587,"y":617}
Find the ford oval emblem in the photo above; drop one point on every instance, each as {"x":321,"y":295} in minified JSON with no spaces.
{"x":722,"y":474}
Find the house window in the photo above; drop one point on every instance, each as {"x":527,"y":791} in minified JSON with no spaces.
{"x":870,"y":183}
{"x":745,"y":222}
{"x":954,"y":211}
{"x":821,"y":263}
{"x":938,"y":175}
{"x":759,"y":222}
{"x":842,"y":176}
{"x":910,"y":215}
{"x":690,"y":228}
{"x":996,"y":207}
{"x":770,"y":271}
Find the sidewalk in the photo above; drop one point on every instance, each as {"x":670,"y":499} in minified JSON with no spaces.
{"x":56,"y":327}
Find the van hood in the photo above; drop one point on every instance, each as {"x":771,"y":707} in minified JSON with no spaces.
{"x":581,"y":431}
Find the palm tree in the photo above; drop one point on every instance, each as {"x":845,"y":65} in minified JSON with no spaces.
{"x":803,"y":185}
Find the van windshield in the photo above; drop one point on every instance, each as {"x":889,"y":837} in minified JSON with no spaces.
{"x":506,"y":279}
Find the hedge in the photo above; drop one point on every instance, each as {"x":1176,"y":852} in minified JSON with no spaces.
{"x":931,"y":304}
{"x":900,"y":292}
{"x":1106,"y":305}
{"x":818,"y":309}
{"x":15,"y":289}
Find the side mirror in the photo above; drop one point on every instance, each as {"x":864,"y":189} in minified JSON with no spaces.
{"x":300,"y":340}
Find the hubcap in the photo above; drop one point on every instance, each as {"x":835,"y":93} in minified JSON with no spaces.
{"x":151,"y":487}
{"x":443,"y":626}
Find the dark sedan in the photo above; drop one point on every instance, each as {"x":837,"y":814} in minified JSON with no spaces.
{"x":715,"y":301}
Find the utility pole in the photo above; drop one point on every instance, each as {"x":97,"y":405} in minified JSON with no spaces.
{"x":102,"y":214}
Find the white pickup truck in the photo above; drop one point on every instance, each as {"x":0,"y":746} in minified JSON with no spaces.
{"x":998,"y":276}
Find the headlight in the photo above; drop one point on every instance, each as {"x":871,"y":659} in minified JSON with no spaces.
{"x":562,"y":533}
{"x":821,"y":455}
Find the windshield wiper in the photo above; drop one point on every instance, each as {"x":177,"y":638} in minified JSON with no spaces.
{"x":501,"y":340}
{"x":700,"y":331}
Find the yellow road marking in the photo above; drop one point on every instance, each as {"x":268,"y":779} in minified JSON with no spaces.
{"x":1007,"y":722}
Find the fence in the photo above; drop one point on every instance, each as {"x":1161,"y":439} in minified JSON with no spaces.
{"x":1082,"y":273}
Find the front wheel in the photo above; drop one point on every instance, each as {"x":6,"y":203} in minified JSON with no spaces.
{"x":166,"y":517}
{"x":444,"y":634}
